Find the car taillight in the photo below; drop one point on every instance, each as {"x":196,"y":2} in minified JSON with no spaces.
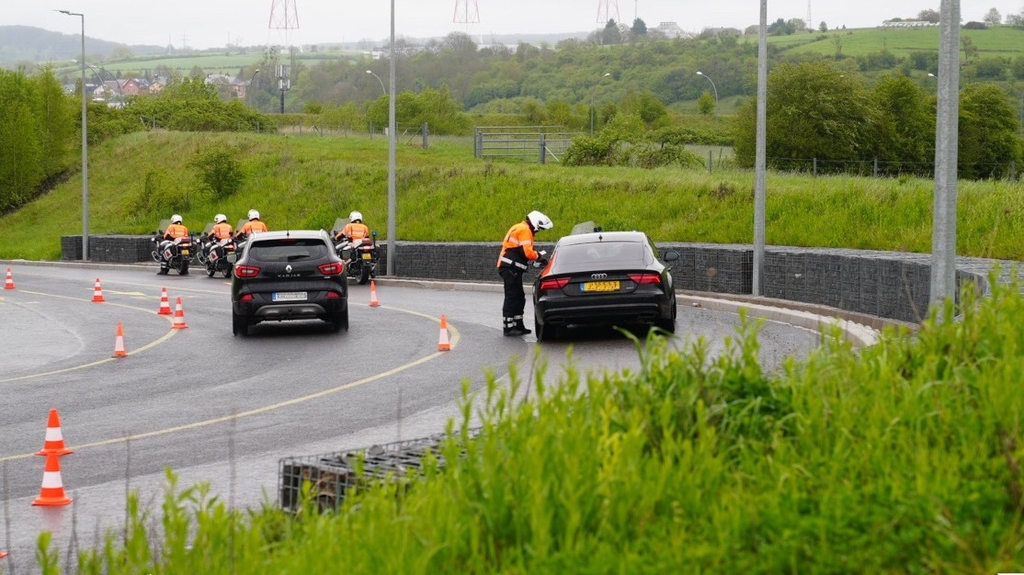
{"x":645,"y":278}
{"x":246,"y":297}
{"x":557,"y":283}
{"x":246,"y":271}
{"x":331,"y":269}
{"x":333,"y":295}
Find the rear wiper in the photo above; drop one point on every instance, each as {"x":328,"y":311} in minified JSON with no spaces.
{"x":298,"y":257}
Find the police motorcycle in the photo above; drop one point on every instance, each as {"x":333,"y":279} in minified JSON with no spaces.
{"x":360,"y":257}
{"x":216,"y":255}
{"x":173,"y":254}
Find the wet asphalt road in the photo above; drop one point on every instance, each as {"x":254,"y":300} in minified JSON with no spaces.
{"x":222,"y":409}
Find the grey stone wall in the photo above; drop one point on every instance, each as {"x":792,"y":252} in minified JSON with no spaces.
{"x":890,"y":285}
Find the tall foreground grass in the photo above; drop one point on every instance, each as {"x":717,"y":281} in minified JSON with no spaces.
{"x":445,"y":194}
{"x":899,"y":458}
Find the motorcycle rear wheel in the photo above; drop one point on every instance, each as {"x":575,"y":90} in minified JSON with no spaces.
{"x":364,"y":275}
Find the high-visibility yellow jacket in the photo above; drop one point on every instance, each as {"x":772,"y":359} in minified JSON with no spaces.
{"x":517,"y":249}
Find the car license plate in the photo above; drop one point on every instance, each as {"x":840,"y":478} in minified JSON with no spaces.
{"x":289,"y":296}
{"x":601,"y":286}
{"x":367,"y":256}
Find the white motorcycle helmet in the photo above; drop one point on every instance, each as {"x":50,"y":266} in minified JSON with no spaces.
{"x":254,"y":215}
{"x":539,"y":221}
{"x":176,"y":219}
{"x":355,"y":217}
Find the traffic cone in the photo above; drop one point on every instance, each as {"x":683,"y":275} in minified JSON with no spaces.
{"x":374,"y":302}
{"x":97,"y":293}
{"x":165,"y":304}
{"x":119,"y":342}
{"x":443,"y":344}
{"x":2,"y":555}
{"x":179,"y":316}
{"x":9,"y":284}
{"x":52,"y":492}
{"x":54,"y":442}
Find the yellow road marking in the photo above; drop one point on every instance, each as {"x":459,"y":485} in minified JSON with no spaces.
{"x":454,"y":340}
{"x":149,"y":345}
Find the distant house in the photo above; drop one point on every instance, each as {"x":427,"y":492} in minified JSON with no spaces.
{"x":671,"y":30}
{"x":908,"y":24}
{"x":227,"y":84}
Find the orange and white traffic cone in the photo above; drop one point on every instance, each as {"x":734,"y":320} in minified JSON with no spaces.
{"x":2,"y":554}
{"x":165,"y":304}
{"x":9,"y":284}
{"x":52,"y":492}
{"x":97,"y":293}
{"x":374,"y":302}
{"x":119,"y":342}
{"x":179,"y":316}
{"x":54,"y":442}
{"x":442,"y":343}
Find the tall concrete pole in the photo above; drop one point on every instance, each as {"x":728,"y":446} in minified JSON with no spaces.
{"x":943,"y":261}
{"x":391,"y":151}
{"x":85,"y":147}
{"x":760,"y":163}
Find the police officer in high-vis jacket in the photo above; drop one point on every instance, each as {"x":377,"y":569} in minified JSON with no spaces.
{"x":516,"y":254}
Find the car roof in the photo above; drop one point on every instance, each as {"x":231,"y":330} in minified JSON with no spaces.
{"x":637,"y":237}
{"x":281,"y":234}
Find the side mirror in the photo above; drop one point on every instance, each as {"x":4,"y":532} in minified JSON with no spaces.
{"x":670,"y":256}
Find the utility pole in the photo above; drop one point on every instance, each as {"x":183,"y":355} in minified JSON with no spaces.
{"x":284,"y":84}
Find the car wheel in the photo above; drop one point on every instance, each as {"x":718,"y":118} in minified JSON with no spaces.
{"x":668,"y":324}
{"x":340,"y":322}
{"x":239,"y":325}
{"x":544,"y":332}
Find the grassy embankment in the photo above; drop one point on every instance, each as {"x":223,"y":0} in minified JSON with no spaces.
{"x":445,"y":194}
{"x":899,"y":458}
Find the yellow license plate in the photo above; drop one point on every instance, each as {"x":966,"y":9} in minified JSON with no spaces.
{"x":601,"y":286}
{"x":367,"y":256}
{"x":184,"y":252}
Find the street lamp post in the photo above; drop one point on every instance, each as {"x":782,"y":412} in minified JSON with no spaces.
{"x":699,"y":73}
{"x":391,"y":149}
{"x":382,"y":88}
{"x":85,"y":148}
{"x":251,"y":80}
{"x":592,"y":111}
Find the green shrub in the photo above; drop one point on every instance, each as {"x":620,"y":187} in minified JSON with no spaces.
{"x":219,"y":171}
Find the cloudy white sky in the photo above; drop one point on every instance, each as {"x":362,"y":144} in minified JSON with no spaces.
{"x":214,"y":23}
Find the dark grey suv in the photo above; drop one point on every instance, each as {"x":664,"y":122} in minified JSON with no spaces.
{"x":288,"y":275}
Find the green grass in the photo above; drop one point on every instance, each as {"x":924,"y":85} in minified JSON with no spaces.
{"x":444,"y":194}
{"x":999,"y":41}
{"x":899,"y":458}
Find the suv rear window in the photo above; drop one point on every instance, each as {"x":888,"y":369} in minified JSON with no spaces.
{"x":288,"y":250}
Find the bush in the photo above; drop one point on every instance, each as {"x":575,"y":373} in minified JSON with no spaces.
{"x":219,"y":171}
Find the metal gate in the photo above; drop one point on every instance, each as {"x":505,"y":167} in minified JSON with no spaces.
{"x":538,"y":143}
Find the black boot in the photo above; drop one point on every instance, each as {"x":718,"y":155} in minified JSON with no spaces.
{"x":519,"y":326}
{"x":511,"y":329}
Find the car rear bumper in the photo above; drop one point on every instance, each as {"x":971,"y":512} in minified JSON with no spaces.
{"x":258,"y":310}
{"x":604,"y":311}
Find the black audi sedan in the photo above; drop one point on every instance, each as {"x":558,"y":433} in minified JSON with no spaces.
{"x":604,"y":278}
{"x":288,"y":275}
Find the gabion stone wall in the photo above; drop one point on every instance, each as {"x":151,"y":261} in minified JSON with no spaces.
{"x":891,"y":285}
